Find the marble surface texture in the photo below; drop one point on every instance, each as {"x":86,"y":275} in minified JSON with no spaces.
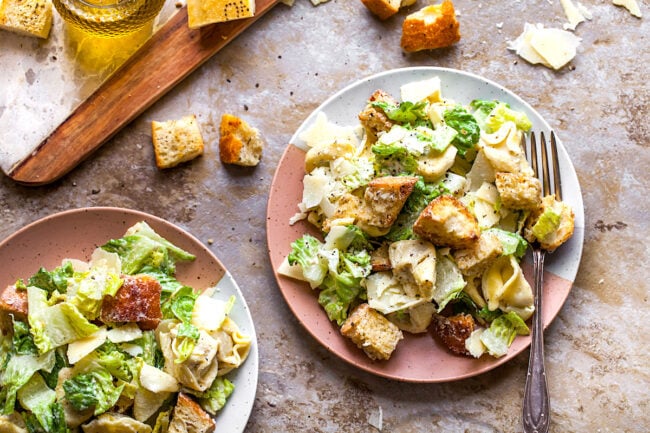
{"x":284,"y":66}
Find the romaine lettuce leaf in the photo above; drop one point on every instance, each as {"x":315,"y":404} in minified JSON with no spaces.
{"x":501,"y":114}
{"x":36,"y":397}
{"x":56,"y":325}
{"x":214,"y":398}
{"x":466,"y":126}
{"x":18,"y":372}
{"x":93,"y":389}
{"x":501,"y":333}
{"x":449,"y":282}
{"x":151,"y":353}
{"x":23,"y":343}
{"x":305,"y":252}
{"x":142,"y":246}
{"x":512,"y":243}
{"x":91,"y":287}
{"x":405,"y":112}
{"x":57,"y":279}
{"x":547,"y":223}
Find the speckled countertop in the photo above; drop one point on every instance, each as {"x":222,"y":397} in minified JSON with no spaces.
{"x":274,"y":75}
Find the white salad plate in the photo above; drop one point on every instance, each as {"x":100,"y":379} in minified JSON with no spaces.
{"x":76,"y":233}
{"x":418,"y":358}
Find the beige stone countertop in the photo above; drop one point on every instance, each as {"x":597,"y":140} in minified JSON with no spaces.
{"x":282,"y":68}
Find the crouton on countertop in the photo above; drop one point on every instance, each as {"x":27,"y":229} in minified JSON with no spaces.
{"x":372,"y":332}
{"x":26,"y":17}
{"x":431,"y":27}
{"x":447,"y":222}
{"x":176,"y":141}
{"x":189,"y":417}
{"x":138,"y":300}
{"x":239,"y":143}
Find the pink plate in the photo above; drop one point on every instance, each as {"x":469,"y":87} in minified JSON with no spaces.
{"x":418,"y":358}
{"x":76,"y":233}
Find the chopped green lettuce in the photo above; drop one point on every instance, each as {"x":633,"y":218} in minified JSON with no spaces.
{"x":502,"y":113}
{"x":512,"y":243}
{"x":547,"y":223}
{"x":18,"y":372}
{"x":406,"y":112}
{"x":111,"y":358}
{"x":36,"y":397}
{"x":305,"y":252}
{"x":501,"y":333}
{"x":420,"y":197}
{"x":23,"y":343}
{"x":151,"y":352}
{"x":449,"y":282}
{"x":56,"y":279}
{"x":180,"y":306}
{"x":482,"y":109}
{"x":52,"y":377}
{"x":214,"y":398}
{"x":142,"y":247}
{"x":94,"y":389}
{"x":466,"y":126}
{"x":394,"y":158}
{"x":90,"y":287}
{"x":56,"y":325}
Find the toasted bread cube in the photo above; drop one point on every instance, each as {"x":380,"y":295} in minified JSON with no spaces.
{"x":374,"y":119}
{"x":453,"y":331}
{"x":379,"y":259}
{"x":518,"y":191}
{"x":176,"y":141}
{"x":431,"y":27}
{"x":557,"y":225}
{"x":189,"y":417}
{"x":203,"y":12}
{"x":383,"y":9}
{"x":14,"y":301}
{"x":239,"y":143}
{"x":26,"y":17}
{"x":372,"y":332}
{"x":447,"y":222}
{"x":383,"y":200}
{"x":138,"y":300}
{"x":477,"y":258}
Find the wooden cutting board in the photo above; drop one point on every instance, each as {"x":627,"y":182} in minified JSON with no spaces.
{"x":169,"y":56}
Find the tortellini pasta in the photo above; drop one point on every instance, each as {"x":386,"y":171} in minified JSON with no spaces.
{"x":505,"y":287}
{"x":504,"y":151}
{"x":233,"y":346}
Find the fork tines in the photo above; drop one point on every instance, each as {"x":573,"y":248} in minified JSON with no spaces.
{"x":548,"y":173}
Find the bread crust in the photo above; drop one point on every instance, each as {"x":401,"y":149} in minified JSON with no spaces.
{"x":431,"y":27}
{"x":372,"y":332}
{"x":447,"y":222}
{"x":239,"y":143}
{"x":383,"y":9}
{"x":453,"y":331}
{"x":189,"y":417}
{"x":176,"y":141}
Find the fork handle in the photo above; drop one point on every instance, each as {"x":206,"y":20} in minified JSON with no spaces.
{"x":536,"y":417}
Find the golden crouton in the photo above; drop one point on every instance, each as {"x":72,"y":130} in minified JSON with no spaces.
{"x":383,"y":9}
{"x":447,"y":222}
{"x":14,"y":301}
{"x":138,"y":300}
{"x":189,"y":417}
{"x":431,"y":27}
{"x":379,"y":259}
{"x":453,"y":331}
{"x":551,"y":224}
{"x":374,"y":119}
{"x":372,"y":332}
{"x":239,"y":143}
{"x":347,"y":208}
{"x":518,"y":191}
{"x":176,"y":141}
{"x":26,"y":17}
{"x":480,"y":255}
{"x":383,"y":200}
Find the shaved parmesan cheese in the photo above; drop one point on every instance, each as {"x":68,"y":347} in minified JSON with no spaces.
{"x":375,"y":419}
{"x":82,"y":347}
{"x":573,"y":13}
{"x":157,"y":380}
{"x":208,"y":313}
{"x":417,"y":91}
{"x":291,"y":271}
{"x":314,"y":187}
{"x":630,"y":5}
{"x":552,"y":48}
{"x":124,"y":333}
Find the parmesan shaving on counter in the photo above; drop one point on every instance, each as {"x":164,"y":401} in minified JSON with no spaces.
{"x":630,"y":5}
{"x":552,"y":48}
{"x":575,"y":13}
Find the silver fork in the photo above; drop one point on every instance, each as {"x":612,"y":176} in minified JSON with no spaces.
{"x":536,"y":404}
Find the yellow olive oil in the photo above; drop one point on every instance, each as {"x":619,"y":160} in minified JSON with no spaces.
{"x":108,"y":18}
